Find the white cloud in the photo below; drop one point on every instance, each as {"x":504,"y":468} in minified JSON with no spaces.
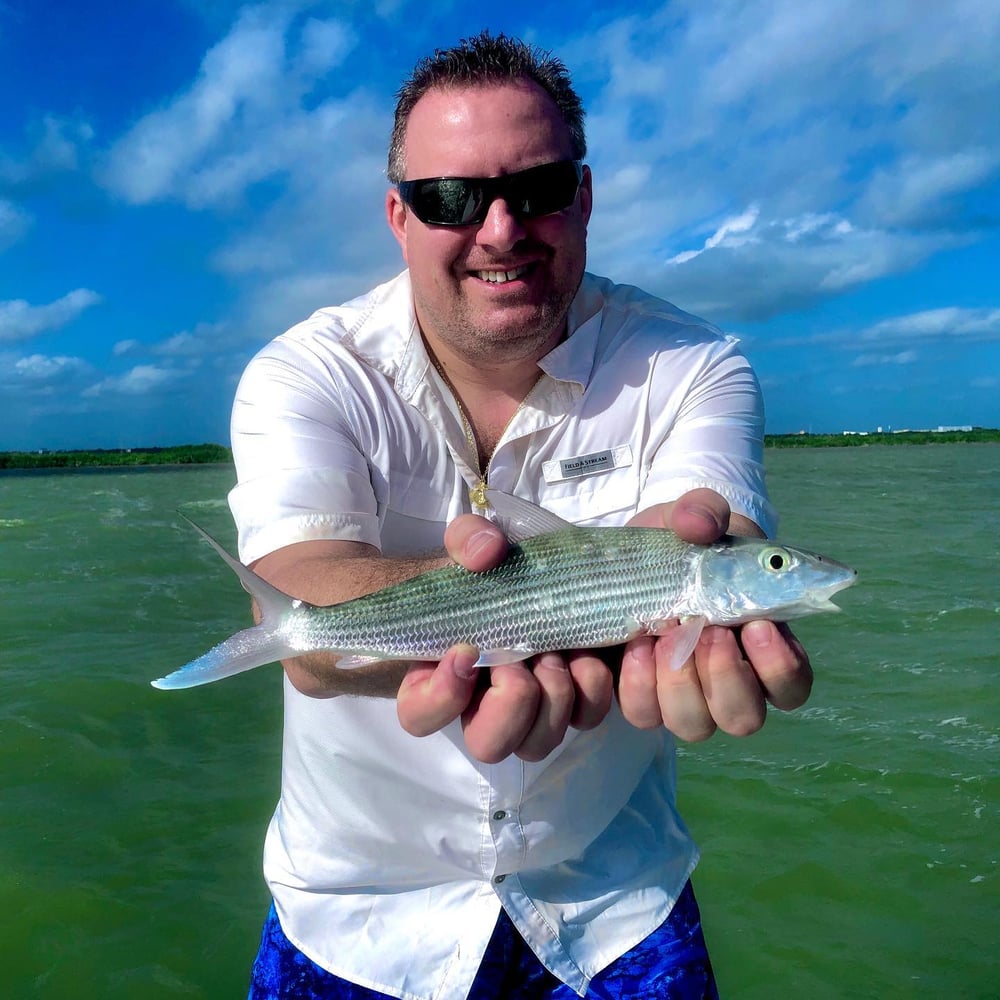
{"x":14,"y":223}
{"x":19,"y":320}
{"x":203,"y":340}
{"x":325,"y":43}
{"x":918,"y":190}
{"x":732,"y":233}
{"x":138,"y":381}
{"x":40,"y":368}
{"x":180,"y":345}
{"x":189,"y":348}
{"x":880,"y":360}
{"x":857,"y":131}
{"x":156,"y":157}
{"x":899,"y":337}
{"x":240,"y":122}
{"x":938,"y":324}
{"x":323,"y":154}
{"x":55,"y":148}
{"x":285,"y":300}
{"x":753,"y":267}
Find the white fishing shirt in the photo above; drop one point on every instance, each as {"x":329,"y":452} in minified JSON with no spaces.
{"x":390,"y":856}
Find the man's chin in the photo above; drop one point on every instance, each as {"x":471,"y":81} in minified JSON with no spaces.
{"x":528,"y":327}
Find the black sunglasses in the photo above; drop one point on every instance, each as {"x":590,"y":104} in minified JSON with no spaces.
{"x":464,"y":201}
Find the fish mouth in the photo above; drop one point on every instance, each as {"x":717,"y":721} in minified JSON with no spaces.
{"x":819,"y":599}
{"x":821,"y":604}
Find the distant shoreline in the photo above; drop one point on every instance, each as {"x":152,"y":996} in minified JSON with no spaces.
{"x":116,"y":458}
{"x":855,"y":439}
{"x":217,"y":454}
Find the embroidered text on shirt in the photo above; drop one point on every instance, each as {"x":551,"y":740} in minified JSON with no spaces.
{"x":586,"y":465}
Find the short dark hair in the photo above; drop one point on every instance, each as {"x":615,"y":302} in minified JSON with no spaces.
{"x":483,"y":60}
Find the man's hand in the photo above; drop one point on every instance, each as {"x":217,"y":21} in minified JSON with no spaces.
{"x":512,"y":708}
{"x":733,"y":671}
{"x":526,"y":709}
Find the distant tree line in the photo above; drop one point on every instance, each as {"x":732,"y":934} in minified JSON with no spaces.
{"x":973,"y":436}
{"x":214,"y":454}
{"x":188,"y":454}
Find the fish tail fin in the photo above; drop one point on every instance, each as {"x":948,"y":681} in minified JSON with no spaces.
{"x":253,"y":647}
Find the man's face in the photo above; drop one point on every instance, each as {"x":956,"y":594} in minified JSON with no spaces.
{"x":487,"y":132}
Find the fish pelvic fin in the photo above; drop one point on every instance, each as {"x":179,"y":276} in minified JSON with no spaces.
{"x":253,"y":647}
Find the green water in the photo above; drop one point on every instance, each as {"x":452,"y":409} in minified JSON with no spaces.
{"x":850,"y":849}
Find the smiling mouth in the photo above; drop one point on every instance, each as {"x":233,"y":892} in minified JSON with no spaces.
{"x":502,"y":277}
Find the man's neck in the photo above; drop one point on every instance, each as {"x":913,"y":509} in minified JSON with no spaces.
{"x":489,"y":394}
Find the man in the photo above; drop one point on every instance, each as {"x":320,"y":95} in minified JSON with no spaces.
{"x":443,"y":833}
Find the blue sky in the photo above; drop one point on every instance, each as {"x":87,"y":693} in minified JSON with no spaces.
{"x":181,"y":181}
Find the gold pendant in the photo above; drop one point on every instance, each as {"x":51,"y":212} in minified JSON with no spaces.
{"x":478,"y":495}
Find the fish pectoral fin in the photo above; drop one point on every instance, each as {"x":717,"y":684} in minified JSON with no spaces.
{"x":684,"y":638}
{"x":682,"y":635}
{"x":496,"y":657}
{"x":520,"y":519}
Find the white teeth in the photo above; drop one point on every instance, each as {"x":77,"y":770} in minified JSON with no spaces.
{"x":500,"y":277}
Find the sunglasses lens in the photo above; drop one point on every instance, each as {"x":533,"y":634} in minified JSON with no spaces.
{"x":463,"y":201}
{"x":449,"y":201}
{"x":545,"y":189}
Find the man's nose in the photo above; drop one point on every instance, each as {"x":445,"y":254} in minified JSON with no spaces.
{"x":501,"y":229}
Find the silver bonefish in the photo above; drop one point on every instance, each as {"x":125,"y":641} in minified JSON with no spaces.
{"x":560,"y":587}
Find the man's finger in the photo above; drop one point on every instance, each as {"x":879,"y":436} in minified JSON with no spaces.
{"x":637,"y":684}
{"x":682,"y":702}
{"x":700,"y":516}
{"x":730,"y":686}
{"x":500,"y":716}
{"x":594,"y":689}
{"x":780,"y":662}
{"x":555,"y":708}
{"x":475,"y":543}
{"x":432,"y":695}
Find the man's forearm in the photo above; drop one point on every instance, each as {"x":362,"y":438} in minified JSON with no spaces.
{"x":325,"y":573}
{"x":317,"y":675}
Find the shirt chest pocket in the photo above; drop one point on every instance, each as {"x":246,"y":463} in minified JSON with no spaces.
{"x":608,"y":495}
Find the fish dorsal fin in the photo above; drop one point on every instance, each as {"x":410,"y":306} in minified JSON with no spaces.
{"x":520,"y":518}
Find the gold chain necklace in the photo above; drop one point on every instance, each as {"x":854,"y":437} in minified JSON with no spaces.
{"x":477,"y":493}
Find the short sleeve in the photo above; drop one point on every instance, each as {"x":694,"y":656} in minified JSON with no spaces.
{"x":301,"y":473}
{"x":715,"y":434}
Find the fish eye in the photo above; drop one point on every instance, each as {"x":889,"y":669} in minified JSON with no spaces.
{"x":775,"y":560}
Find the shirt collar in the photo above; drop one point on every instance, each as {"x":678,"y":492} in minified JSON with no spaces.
{"x":572,"y":360}
{"x":386,"y":336}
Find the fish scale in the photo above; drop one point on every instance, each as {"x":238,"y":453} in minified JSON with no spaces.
{"x":575,"y":588}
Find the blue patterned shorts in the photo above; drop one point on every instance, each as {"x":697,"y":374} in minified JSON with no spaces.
{"x":671,"y":963}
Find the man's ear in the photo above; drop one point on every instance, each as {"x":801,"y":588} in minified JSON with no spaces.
{"x":396,"y":216}
{"x":586,"y":194}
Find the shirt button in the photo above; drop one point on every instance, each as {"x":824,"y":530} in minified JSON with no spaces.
{"x":499,"y":815}
{"x":498,"y":878}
